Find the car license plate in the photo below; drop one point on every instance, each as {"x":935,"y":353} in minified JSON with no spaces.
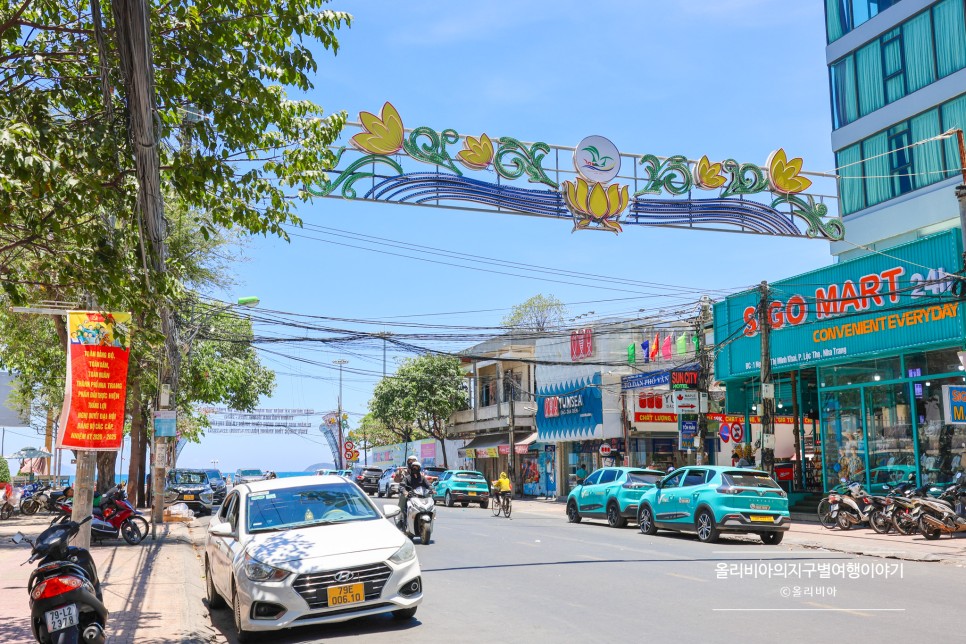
{"x":762,"y":518}
{"x":348,"y":594}
{"x":472,"y":493}
{"x":189,"y":497}
{"x":756,"y":506}
{"x":61,"y":618}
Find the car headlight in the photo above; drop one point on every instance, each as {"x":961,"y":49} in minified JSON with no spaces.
{"x":206,"y":497}
{"x":258,"y":571}
{"x":170,"y":495}
{"x":405,"y":553}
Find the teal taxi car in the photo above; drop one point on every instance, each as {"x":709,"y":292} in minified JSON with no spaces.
{"x":463,"y":487}
{"x":710,"y":500}
{"x":611,"y":493}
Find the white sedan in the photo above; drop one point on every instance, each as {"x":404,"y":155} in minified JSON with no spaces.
{"x":307,"y":550}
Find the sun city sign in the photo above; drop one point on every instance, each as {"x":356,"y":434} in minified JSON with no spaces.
{"x":597,"y":198}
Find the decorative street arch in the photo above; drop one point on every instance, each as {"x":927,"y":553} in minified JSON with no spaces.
{"x":584,"y":184}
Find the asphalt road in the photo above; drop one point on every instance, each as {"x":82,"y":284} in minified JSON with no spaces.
{"x":536,"y":578}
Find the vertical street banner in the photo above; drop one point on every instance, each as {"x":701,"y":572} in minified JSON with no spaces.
{"x":330,"y":429}
{"x":97,"y":359}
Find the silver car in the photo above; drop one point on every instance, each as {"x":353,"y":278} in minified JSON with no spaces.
{"x":308,"y":550}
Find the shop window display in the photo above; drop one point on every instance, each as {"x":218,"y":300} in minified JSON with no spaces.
{"x":942,"y":447}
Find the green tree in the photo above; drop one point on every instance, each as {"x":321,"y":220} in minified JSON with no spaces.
{"x":539,"y":313}
{"x":372,"y":432}
{"x":425,"y":391}
{"x":4,"y":470}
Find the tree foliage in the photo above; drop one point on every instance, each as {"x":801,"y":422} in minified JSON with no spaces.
{"x":423,"y":394}
{"x":372,"y":432}
{"x":539,"y":313}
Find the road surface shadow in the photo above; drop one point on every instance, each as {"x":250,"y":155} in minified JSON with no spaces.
{"x":223,"y":622}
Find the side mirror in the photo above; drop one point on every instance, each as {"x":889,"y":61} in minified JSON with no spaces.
{"x":659,"y":484}
{"x":958,"y":476}
{"x":220,"y":530}
{"x":18,"y":538}
{"x":390,"y":511}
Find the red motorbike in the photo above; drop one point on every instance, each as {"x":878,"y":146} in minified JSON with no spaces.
{"x":114,"y":518}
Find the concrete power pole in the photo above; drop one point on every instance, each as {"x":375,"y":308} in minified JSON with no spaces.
{"x":767,"y":388}
{"x":704,"y":376}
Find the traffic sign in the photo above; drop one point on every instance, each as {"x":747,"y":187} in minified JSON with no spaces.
{"x":724,"y":432}
{"x":737,"y":432}
{"x":605,"y":449}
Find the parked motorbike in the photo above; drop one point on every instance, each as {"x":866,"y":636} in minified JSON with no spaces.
{"x":882,"y":518}
{"x":66,"y":604}
{"x":9,"y":498}
{"x":945,"y":515}
{"x":114,"y":517}
{"x":851,"y":507}
{"x":34,"y":498}
{"x":420,"y":514}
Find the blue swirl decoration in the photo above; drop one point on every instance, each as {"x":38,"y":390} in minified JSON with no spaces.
{"x":576,"y":426}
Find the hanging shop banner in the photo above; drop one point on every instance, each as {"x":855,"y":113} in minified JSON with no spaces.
{"x":165,"y":423}
{"x":954,"y":404}
{"x":571,"y":410}
{"x":689,"y":429}
{"x":881,"y":302}
{"x":97,"y":359}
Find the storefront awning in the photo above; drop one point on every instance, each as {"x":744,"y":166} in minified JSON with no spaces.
{"x":494,"y":445}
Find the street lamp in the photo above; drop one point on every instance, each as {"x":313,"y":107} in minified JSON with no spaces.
{"x":340,"y":455}
{"x":214,"y":463}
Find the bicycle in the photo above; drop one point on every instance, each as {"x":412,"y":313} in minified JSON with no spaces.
{"x":501,"y":503}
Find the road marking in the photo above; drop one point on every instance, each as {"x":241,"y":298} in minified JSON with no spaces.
{"x":856,"y":611}
{"x":852,"y":611}
{"x":674,"y":574}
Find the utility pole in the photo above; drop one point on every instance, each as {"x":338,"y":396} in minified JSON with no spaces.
{"x":767,"y":388}
{"x":341,"y":455}
{"x":508,"y":375}
{"x":704,"y":376}
{"x":961,"y":191}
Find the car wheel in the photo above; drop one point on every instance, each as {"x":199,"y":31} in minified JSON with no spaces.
{"x":573,"y":516}
{"x":484,"y":505}
{"x":465,"y":504}
{"x":614,"y":518}
{"x":405,"y":613}
{"x":448,"y":500}
{"x":645,"y":520}
{"x":705,"y":527}
{"x":242,"y":635}
{"x":772,"y":538}
{"x":215,"y":601}
{"x":379,"y":494}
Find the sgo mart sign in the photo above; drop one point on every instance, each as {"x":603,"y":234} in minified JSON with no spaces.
{"x":886,"y":301}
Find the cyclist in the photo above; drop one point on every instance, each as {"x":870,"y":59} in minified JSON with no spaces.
{"x":502,"y":487}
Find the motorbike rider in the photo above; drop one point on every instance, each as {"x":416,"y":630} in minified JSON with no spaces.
{"x":409,"y":480}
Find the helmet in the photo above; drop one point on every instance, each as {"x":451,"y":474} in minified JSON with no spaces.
{"x":412,"y":459}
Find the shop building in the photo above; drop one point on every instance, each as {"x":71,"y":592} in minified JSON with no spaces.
{"x":579,"y":398}
{"x":501,"y":378}
{"x":859,"y":353}
{"x":897,"y":75}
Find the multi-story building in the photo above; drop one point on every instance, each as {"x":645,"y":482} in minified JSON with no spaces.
{"x":501,"y":378}
{"x":897,"y":73}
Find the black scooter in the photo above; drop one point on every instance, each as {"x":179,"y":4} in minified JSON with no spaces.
{"x":66,"y":605}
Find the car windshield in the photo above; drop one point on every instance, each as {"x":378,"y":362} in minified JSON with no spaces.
{"x":748,"y":479}
{"x":307,"y":505}
{"x":475,"y":476}
{"x":187,"y":478}
{"x":643,"y":478}
{"x":249,"y":472}
{"x":212,"y":475}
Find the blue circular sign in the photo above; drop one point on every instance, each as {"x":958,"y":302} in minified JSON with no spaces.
{"x":724,"y":432}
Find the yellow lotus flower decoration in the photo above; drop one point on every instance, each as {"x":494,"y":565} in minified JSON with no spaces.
{"x":592,"y":203}
{"x":708,"y":175}
{"x":476,"y":153}
{"x":784,"y":175}
{"x":383,"y":134}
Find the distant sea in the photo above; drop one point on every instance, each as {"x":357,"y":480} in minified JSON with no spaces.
{"x":119,"y":479}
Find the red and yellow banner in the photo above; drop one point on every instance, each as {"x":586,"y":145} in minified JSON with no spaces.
{"x":97,"y":360}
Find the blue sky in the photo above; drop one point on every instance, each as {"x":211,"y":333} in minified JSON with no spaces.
{"x":731,"y":78}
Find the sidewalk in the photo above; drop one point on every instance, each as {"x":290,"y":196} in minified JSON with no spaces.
{"x":859,"y":541}
{"x":154,"y":591}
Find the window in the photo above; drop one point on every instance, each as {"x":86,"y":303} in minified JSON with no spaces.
{"x":308,"y":505}
{"x":593,"y":478}
{"x":674,"y":480}
{"x":900,"y":159}
{"x":893,"y":67}
{"x":924,"y":48}
{"x":230,"y":512}
{"x":608,"y":476}
{"x":695,"y":477}
{"x":851,"y":183}
{"x":842,"y":16}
